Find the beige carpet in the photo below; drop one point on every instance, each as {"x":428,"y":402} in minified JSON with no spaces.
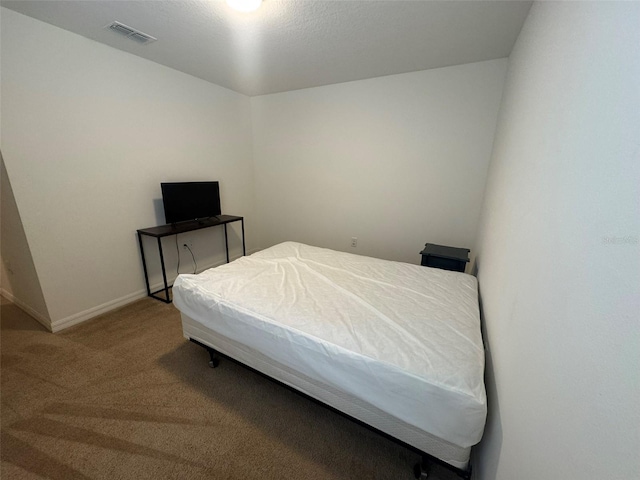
{"x":126,"y":396}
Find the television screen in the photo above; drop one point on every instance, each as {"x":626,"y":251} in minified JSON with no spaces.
{"x":190,"y":200}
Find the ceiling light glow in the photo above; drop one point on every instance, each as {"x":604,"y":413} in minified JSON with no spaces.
{"x":244,"y":5}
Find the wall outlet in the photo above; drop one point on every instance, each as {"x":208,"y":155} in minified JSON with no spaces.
{"x":354,"y":242}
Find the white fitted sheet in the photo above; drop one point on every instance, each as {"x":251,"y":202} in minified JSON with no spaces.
{"x":402,"y":338}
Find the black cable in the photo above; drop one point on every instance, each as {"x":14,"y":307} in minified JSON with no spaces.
{"x":195,"y":265}
{"x":178,"y":251}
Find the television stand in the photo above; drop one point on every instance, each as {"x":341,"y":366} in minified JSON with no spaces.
{"x":174,"y":229}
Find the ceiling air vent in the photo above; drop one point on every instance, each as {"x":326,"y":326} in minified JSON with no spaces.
{"x":132,"y":33}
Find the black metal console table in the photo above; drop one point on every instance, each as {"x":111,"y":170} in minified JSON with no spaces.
{"x":174,"y":229}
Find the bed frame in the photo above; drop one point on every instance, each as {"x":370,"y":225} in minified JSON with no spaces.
{"x":226,"y":314}
{"x":420,"y":470}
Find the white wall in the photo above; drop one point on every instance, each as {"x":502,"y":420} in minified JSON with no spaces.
{"x":18,"y":278}
{"x":395,"y":161}
{"x":88,"y":134}
{"x":559,"y":250}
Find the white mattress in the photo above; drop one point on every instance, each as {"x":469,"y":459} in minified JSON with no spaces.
{"x":402,"y":338}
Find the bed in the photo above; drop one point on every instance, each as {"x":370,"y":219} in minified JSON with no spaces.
{"x":395,"y":346}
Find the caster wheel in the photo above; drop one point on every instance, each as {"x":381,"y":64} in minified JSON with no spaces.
{"x":213,"y":363}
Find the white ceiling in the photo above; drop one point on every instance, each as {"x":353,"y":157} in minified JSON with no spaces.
{"x":293,"y":44}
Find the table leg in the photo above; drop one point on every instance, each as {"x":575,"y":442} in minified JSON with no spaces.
{"x":226,"y":242}
{"x":164,"y":272}
{"x":144,"y":265}
{"x":244,"y":250}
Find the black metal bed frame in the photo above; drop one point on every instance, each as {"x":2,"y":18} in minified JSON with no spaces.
{"x":420,"y":470}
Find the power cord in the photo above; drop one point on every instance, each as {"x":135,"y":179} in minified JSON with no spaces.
{"x":195,"y":265}
{"x":178,"y":252}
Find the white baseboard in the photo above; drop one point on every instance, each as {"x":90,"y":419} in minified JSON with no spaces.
{"x":85,"y":315}
{"x":63,"y":323}
{"x":46,"y":322}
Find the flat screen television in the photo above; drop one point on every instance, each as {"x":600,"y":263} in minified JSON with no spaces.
{"x":185,"y":201}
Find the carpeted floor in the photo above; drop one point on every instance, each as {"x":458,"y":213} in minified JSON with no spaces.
{"x":126,"y":396}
